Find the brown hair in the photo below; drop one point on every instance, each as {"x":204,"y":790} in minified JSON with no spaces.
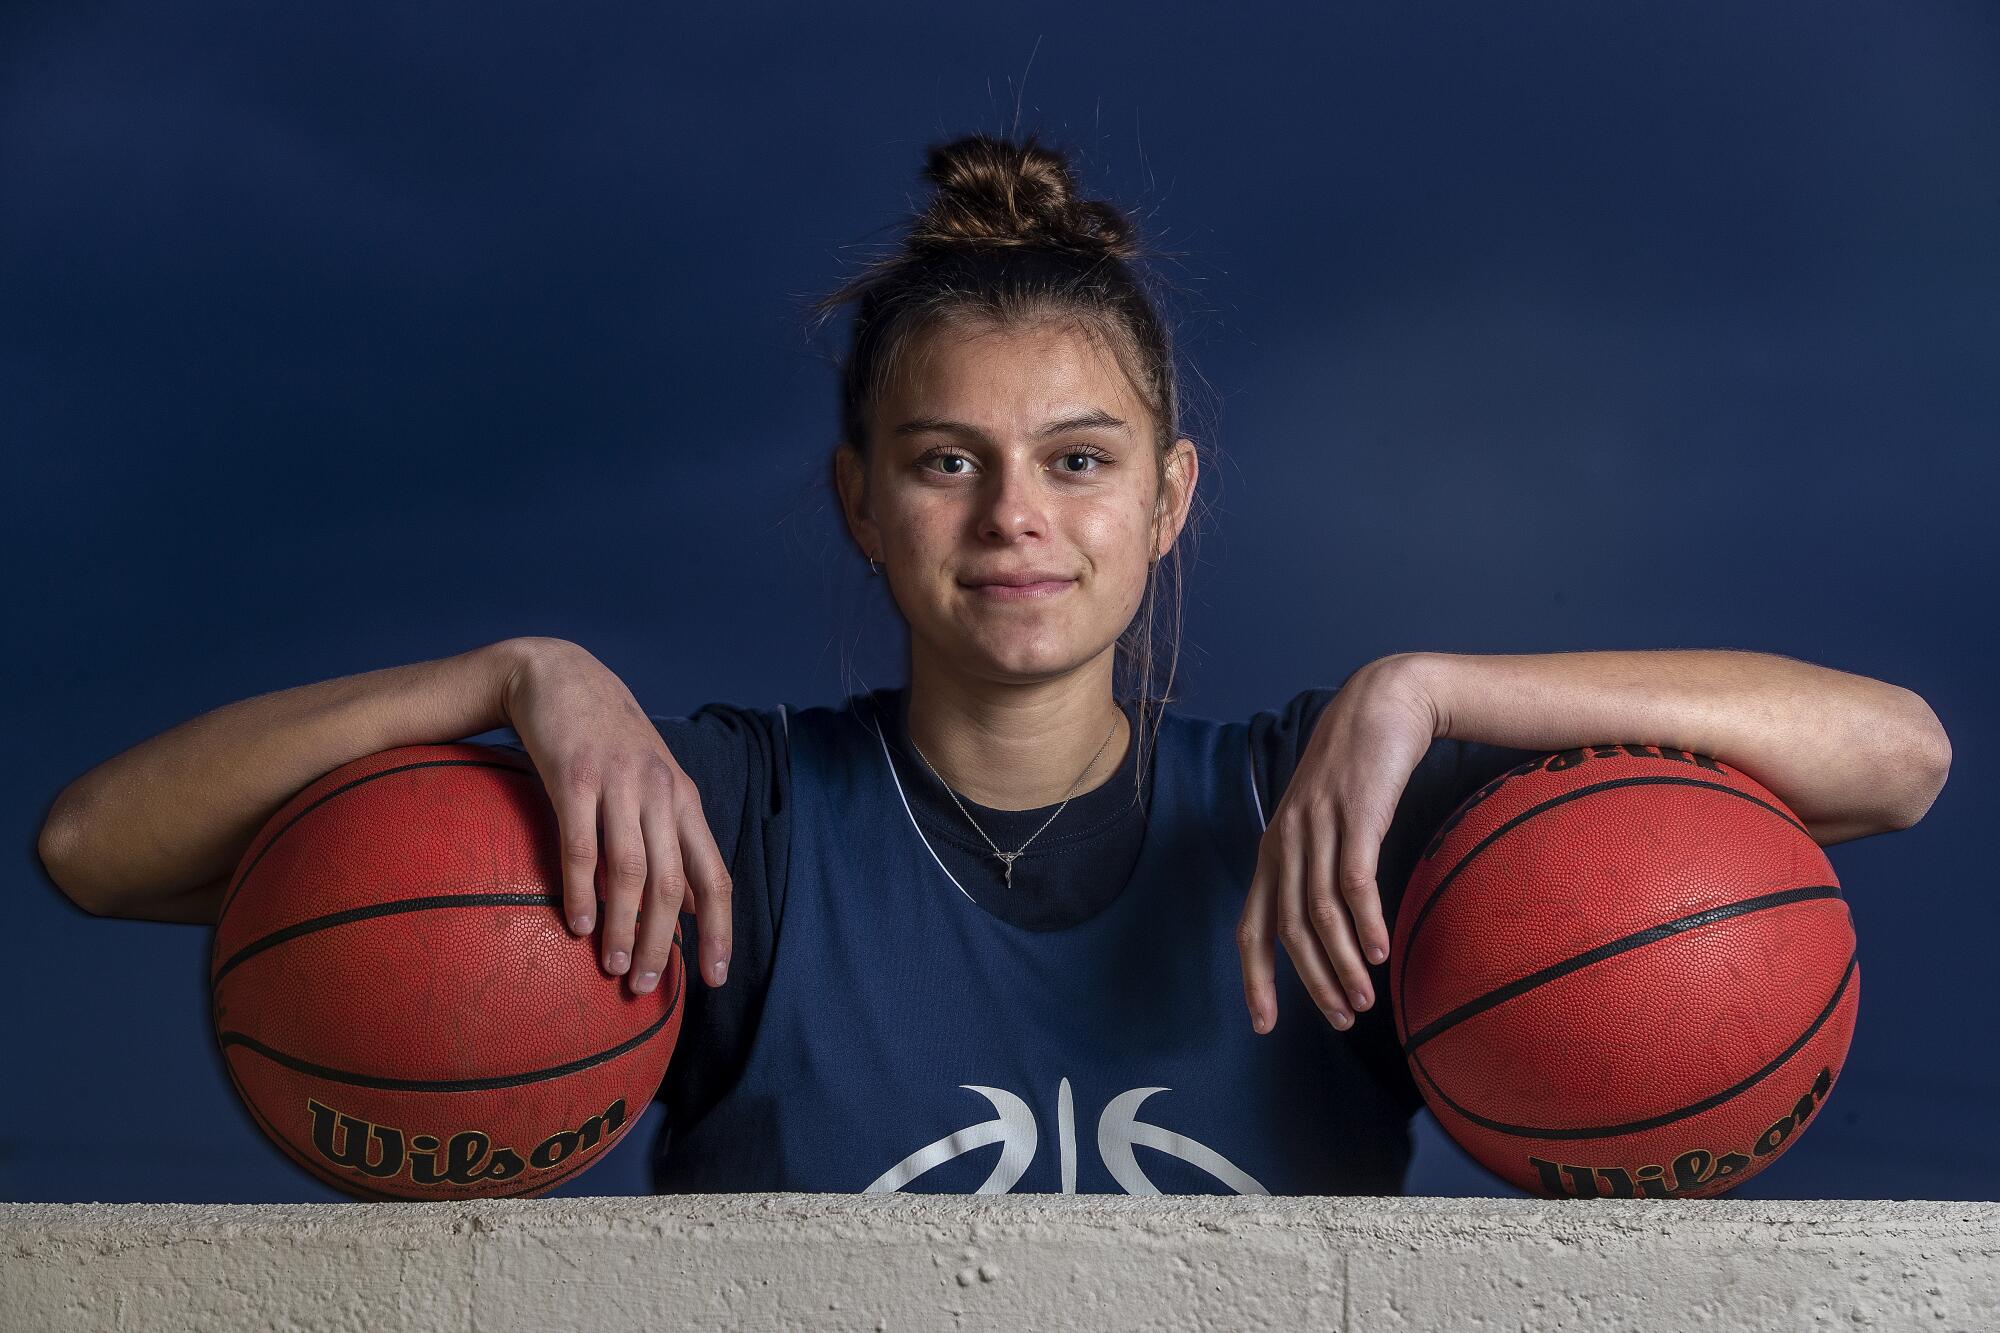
{"x":1007,"y":242}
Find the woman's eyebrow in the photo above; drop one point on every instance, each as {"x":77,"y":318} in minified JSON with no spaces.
{"x":1096,"y":418}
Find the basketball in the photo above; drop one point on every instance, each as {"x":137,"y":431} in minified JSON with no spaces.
{"x":1624,"y":971}
{"x":398,"y":1001}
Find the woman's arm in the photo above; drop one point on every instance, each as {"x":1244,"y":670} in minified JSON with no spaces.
{"x":155,"y":832}
{"x":1851,"y":755}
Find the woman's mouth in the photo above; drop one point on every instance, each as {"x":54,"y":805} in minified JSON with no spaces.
{"x":1001,"y":592}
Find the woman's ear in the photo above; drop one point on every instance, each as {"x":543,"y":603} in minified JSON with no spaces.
{"x":850,"y":480}
{"x":1176,"y":495}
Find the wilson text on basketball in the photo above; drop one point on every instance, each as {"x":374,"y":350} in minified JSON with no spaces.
{"x":467,"y":1157}
{"x":1690,"y":1171}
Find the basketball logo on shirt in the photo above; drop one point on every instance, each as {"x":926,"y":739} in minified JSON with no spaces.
{"x":1119,"y":1129}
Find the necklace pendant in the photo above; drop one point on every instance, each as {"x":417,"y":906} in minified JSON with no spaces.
{"x":1007,"y":859}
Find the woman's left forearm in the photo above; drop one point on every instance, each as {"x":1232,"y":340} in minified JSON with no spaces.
{"x":1843,"y":751}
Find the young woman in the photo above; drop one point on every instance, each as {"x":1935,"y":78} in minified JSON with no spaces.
{"x":997,"y":928}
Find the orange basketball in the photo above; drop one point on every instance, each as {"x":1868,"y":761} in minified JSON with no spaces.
{"x":398,"y":1001}
{"x":1624,"y":971}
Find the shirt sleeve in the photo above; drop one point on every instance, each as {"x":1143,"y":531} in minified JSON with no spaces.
{"x":1449,"y":771}
{"x":740,"y":765}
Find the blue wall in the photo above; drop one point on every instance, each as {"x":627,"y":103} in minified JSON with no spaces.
{"x":344,"y":336}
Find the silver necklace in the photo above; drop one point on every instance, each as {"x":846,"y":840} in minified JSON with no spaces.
{"x":1007,"y":858}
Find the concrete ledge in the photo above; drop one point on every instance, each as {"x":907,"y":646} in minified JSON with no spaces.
{"x":1001,"y":1261}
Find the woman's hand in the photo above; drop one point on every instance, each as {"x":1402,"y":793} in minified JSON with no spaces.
{"x":604,"y":765}
{"x":1315,"y":881}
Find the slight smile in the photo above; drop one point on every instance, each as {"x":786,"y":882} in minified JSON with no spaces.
{"x":1001,"y":592}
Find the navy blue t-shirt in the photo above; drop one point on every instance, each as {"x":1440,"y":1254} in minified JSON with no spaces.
{"x":740,"y":761}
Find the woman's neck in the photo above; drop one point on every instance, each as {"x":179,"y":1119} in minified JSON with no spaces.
{"x":1020,"y":749}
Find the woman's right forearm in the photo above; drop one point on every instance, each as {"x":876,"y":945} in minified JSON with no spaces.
{"x":141,"y":832}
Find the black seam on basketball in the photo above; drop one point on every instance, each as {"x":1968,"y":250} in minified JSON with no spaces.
{"x":1651,"y":1122}
{"x":359,"y":1080}
{"x":373,"y":910}
{"x":1423,"y":913}
{"x":1637,"y":939}
{"x":340,"y":1182}
{"x":293,"y":822}
{"x":353,"y":1185}
{"x":292,"y":1151}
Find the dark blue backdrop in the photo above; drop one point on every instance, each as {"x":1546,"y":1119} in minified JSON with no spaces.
{"x":343,"y":336}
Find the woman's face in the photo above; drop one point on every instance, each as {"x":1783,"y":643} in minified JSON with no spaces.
{"x":1008,"y":453}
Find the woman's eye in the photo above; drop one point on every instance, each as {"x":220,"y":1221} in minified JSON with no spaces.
{"x":943,"y":456}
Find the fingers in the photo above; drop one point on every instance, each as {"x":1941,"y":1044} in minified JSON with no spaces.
{"x":625,"y":875}
{"x":1328,"y":913}
{"x":648,"y":838}
{"x":1277,"y":899}
{"x":1309,"y":878}
{"x":1359,"y":850}
{"x":1253,"y":945}
{"x":666,"y":886}
{"x":683,"y":863}
{"x":714,"y":891}
{"x":575,"y":802}
{"x":1299,"y":919}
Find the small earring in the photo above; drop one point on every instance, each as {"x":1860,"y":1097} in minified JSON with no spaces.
{"x":871,"y":566}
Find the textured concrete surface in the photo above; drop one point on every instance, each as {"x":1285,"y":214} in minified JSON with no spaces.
{"x":828,"y":1261}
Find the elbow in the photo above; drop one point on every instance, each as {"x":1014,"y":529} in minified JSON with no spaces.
{"x":1932,"y":760}
{"x":50,"y":848}
{"x":56,"y":848}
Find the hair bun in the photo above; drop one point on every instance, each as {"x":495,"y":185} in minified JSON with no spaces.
{"x":993,"y":192}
